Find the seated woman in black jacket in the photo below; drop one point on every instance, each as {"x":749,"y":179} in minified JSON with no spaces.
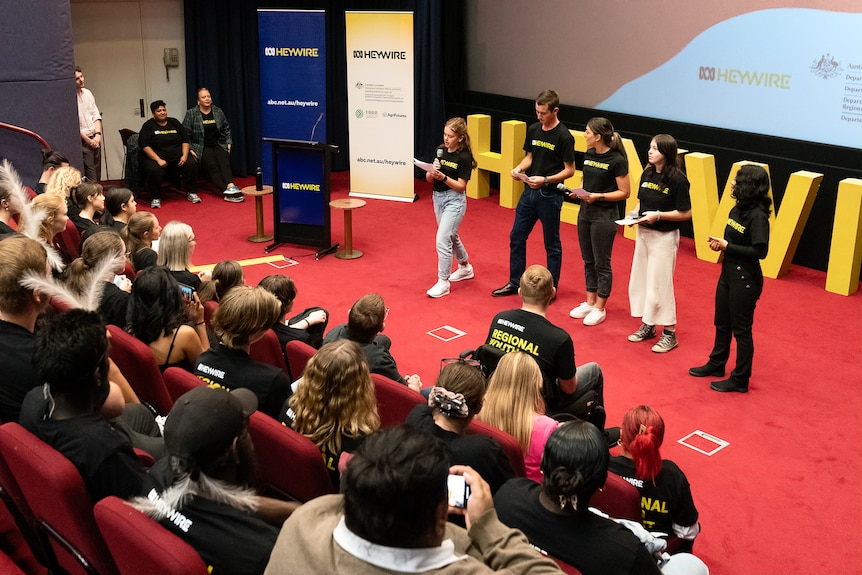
{"x":453,"y":402}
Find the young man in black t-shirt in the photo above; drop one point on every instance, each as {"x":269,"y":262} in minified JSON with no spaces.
{"x":549,"y":160}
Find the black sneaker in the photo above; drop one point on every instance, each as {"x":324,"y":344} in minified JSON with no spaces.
{"x":729,"y":384}
{"x":707,"y":370}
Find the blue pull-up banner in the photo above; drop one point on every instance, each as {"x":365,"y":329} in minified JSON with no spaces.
{"x":292,"y":50}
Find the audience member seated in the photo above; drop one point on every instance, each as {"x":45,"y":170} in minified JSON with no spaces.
{"x":89,"y":198}
{"x":334,"y":404}
{"x":391,"y":517}
{"x":576,"y":391}
{"x":243,"y":317}
{"x":307,"y":327}
{"x":120,"y":205}
{"x":19,"y":308}
{"x":43,"y":218}
{"x":176,"y":246}
{"x":514,"y":404}
{"x":555,"y":515}
{"x":210,"y":141}
{"x":365,"y":320}
{"x":11,"y":198}
{"x":51,"y":161}
{"x":140,"y":233}
{"x":454,"y":400}
{"x":99,"y":270}
{"x":164,"y":145}
{"x":201,"y":492}
{"x":62,"y":182}
{"x":71,"y":411}
{"x":666,"y":500}
{"x":156,"y":314}
{"x":225,"y":275}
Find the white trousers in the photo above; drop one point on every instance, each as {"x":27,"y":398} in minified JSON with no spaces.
{"x":651,"y":296}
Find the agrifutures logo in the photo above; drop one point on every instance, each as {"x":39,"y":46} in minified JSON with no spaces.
{"x":746,"y":77}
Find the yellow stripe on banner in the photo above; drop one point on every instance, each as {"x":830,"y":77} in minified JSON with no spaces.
{"x":243,"y":263}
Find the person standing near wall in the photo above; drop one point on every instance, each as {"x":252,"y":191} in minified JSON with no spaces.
{"x":90,"y":125}
{"x":663,"y":202}
{"x":606,"y":178}
{"x":549,"y":160}
{"x":745,"y":243}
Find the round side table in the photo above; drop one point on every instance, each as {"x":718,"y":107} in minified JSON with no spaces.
{"x":348,"y":205}
{"x":259,"y":236}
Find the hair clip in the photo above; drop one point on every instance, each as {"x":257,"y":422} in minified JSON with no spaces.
{"x":642,"y":429}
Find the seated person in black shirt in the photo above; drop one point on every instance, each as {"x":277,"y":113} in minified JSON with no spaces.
{"x":176,"y":246}
{"x":89,"y":198}
{"x":102,"y":254}
{"x":201,"y":491}
{"x":307,"y":327}
{"x":19,"y":308}
{"x":454,"y":400}
{"x":71,"y":411}
{"x":51,"y":160}
{"x":365,"y":321}
{"x":556,"y":517}
{"x":243,"y":317}
{"x":165,"y":152}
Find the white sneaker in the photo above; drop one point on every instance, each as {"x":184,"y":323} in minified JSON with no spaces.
{"x":155,"y":204}
{"x":193,"y":198}
{"x":439,"y":289}
{"x":581,"y":311}
{"x":462,"y":273}
{"x":595,"y":317}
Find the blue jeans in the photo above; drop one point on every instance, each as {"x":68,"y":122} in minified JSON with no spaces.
{"x":543,"y":204}
{"x":449,"y":209}
{"x":596,"y":233}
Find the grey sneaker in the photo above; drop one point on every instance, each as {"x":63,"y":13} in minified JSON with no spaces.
{"x":193,"y":198}
{"x":666,"y":343}
{"x":644,"y":332}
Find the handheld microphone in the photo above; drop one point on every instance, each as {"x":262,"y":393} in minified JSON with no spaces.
{"x":562,"y":187}
{"x":439,"y":153}
{"x":319,"y":118}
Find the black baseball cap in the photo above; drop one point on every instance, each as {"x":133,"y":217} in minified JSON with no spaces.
{"x":204,"y":422}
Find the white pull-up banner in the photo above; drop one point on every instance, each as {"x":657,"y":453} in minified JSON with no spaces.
{"x":380,"y":104}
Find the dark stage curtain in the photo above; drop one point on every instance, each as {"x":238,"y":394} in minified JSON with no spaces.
{"x":222,"y":55}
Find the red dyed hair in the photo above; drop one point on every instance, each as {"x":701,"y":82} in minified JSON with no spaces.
{"x":642,"y":434}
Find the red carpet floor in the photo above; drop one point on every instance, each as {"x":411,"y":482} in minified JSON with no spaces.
{"x":785,"y":496}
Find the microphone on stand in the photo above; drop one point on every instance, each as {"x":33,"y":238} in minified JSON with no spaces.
{"x":319,"y":118}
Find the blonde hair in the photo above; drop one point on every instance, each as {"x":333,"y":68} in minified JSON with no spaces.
{"x":133,"y":234}
{"x":50,"y":205}
{"x":537,"y":285}
{"x":64,"y":179}
{"x":19,"y":255}
{"x":336,"y":396}
{"x":104,"y":244}
{"x":175,"y":250}
{"x":243,"y":312}
{"x":514,"y":396}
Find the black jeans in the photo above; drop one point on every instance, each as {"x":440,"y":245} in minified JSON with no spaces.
{"x":736,"y":297}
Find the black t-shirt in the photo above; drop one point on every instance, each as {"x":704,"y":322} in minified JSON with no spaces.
{"x":664,"y":501}
{"x":551,"y":149}
{"x":230,"y":368}
{"x":593,"y":544}
{"x":457,"y":164}
{"x":480,"y":452}
{"x":747,"y":235}
{"x":144,"y":258}
{"x":229,"y":540}
{"x":5,"y":230}
{"x":17,"y":377}
{"x":665,"y":197}
{"x":85,"y":226}
{"x":601,"y":172}
{"x":103,"y":456}
{"x":377,"y":353}
{"x":186,"y":277}
{"x":114,"y":304}
{"x":166,"y":141}
{"x":211,"y":133}
{"x":552,"y":346}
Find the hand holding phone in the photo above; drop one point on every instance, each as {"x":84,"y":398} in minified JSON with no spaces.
{"x":188,"y":292}
{"x":459,"y":491}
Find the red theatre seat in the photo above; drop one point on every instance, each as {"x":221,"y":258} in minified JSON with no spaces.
{"x":138,"y":365}
{"x":139,"y":544}
{"x":394,"y":400}
{"x":507,"y":443}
